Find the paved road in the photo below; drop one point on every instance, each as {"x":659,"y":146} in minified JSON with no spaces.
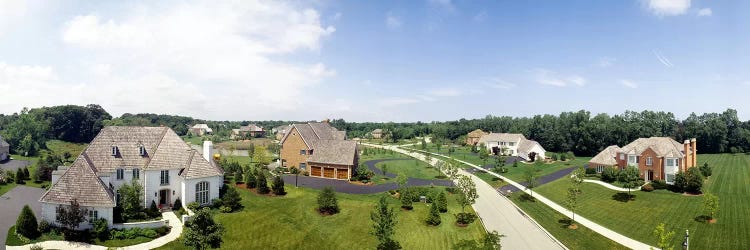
{"x":13,"y":164}
{"x":11,"y":204}
{"x":542,"y":180}
{"x":606,"y":232}
{"x":497,"y":213}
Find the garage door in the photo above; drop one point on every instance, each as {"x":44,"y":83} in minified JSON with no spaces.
{"x":328,"y":172}
{"x":315,"y":171}
{"x":341,"y":173}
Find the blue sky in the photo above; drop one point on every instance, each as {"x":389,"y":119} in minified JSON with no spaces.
{"x":376,"y":60}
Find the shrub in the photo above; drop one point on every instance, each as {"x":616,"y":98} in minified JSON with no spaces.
{"x":647,"y":188}
{"x":237,"y":177}
{"x":177,"y":204}
{"x":706,"y":170}
{"x":26,"y":224}
{"x":278,"y":186}
{"x":327,"y":202}
{"x":465,"y":218}
{"x":694,"y":180}
{"x":225,"y":209}
{"x":442,"y":202}
{"x":433,"y":217}
{"x":609,"y":174}
{"x":250,"y":179}
{"x":43,"y":226}
{"x":590,"y":170}
{"x":554,"y":157}
{"x":659,"y":184}
{"x":215,"y":203}
{"x":101,"y":230}
{"x":570,"y":156}
{"x":161,"y":231}
{"x":193,"y":206}
{"x":680,"y":182}
{"x":231,"y":199}
{"x":153,"y":210}
{"x":392,"y":191}
{"x":563,"y":157}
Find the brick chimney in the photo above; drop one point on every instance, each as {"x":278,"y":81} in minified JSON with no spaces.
{"x":694,"y":145}
{"x":687,"y":162}
{"x":326,"y":120}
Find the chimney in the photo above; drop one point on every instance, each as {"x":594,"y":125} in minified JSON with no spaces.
{"x":208,"y":150}
{"x":688,"y":155}
{"x":694,"y":145}
{"x":326,"y":120}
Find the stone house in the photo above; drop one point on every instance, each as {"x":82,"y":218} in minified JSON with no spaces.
{"x":249,"y":131}
{"x":320,"y":149}
{"x":156,"y":157}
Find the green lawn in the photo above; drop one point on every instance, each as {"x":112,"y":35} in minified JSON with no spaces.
{"x":291,"y":222}
{"x":7,"y":187}
{"x":195,"y":140}
{"x":637,"y":219}
{"x":60,"y":147}
{"x":411,"y":168}
{"x":13,"y":240}
{"x":494,"y":181}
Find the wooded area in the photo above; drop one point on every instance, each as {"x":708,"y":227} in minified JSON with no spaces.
{"x":579,"y":132}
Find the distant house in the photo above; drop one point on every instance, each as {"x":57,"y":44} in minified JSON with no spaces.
{"x":4,"y":149}
{"x":280,"y":131}
{"x":377,"y":133}
{"x":249,"y":131}
{"x":473,"y":137}
{"x":166,"y":167}
{"x":512,"y":145}
{"x":604,"y":159}
{"x":201,"y":130}
{"x":320,"y":149}
{"x":657,"y":158}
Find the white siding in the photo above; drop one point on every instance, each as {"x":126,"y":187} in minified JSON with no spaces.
{"x":188,"y":188}
{"x":152,"y":185}
{"x":49,"y":212}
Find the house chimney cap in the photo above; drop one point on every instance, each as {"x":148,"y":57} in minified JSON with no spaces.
{"x":687,"y":142}
{"x":692,"y":140}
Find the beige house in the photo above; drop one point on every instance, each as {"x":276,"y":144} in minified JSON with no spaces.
{"x":280,"y":131}
{"x":513,"y":145}
{"x":473,"y":137}
{"x":604,"y":159}
{"x":249,"y":131}
{"x":377,"y":134}
{"x":320,"y":149}
{"x":201,"y":130}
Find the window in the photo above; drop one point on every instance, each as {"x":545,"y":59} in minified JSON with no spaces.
{"x":670,"y":178}
{"x":632,"y":160}
{"x":303,"y":152}
{"x":671,"y":162}
{"x":649,"y":161}
{"x":599,"y":169}
{"x":310,"y":152}
{"x":117,"y":197}
{"x":142,"y":150}
{"x":114,"y":150}
{"x":201,"y":193}
{"x":165,"y":177}
{"x":303,"y":166}
{"x":120,"y":173}
{"x":622,"y":156}
{"x":136,"y":173}
{"x":93,"y":215}
{"x":511,"y":144}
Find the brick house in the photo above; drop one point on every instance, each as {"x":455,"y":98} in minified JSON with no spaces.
{"x":657,"y":158}
{"x":320,"y":149}
{"x":249,"y":131}
{"x":473,"y":137}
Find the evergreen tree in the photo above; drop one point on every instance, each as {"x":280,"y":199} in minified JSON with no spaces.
{"x":406,"y":198}
{"x":251,"y":180}
{"x":26,"y":175}
{"x":693,"y":180}
{"x":327,"y":202}
{"x":19,"y":176}
{"x":433,"y":216}
{"x":202,"y":232}
{"x":278,"y":186}
{"x":26,"y":223}
{"x":442,"y":202}
{"x":231,"y":199}
{"x":262,"y":183}
{"x":153,"y":210}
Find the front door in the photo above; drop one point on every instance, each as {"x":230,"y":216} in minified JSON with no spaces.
{"x":650,"y":175}
{"x":164,"y":197}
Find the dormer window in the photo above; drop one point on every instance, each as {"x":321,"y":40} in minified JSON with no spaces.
{"x":142,"y":150}
{"x":114,"y":150}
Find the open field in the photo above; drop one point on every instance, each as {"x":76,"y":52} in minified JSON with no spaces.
{"x":638,"y":218}
{"x":244,"y":144}
{"x":411,"y":168}
{"x":291,"y":222}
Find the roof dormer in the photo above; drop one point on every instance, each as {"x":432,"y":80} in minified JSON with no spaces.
{"x":115,"y":150}
{"x":142,"y":150}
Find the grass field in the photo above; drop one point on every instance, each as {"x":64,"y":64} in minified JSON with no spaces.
{"x":7,"y":187}
{"x":637,"y":219}
{"x":244,"y":144}
{"x":411,"y":168}
{"x":291,"y":222}
{"x":13,"y":240}
{"x":490,"y":179}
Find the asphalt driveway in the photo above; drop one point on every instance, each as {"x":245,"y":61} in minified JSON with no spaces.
{"x":542,"y":180}
{"x":13,"y":164}
{"x":11,"y":204}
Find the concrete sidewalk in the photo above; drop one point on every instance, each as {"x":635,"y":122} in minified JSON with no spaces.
{"x":497,"y":213}
{"x":610,"y":186}
{"x":173,"y":234}
{"x":606,"y":232}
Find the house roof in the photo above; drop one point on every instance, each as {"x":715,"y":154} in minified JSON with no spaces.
{"x":662,"y":146}
{"x":3,"y":143}
{"x":203,"y":126}
{"x":197,"y":167}
{"x":477,"y":133}
{"x":251,"y":127}
{"x":525,"y":146}
{"x":334,"y":152}
{"x":504,"y":137}
{"x":282,"y":128}
{"x":80,"y":183}
{"x":377,"y":131}
{"x":607,"y":156}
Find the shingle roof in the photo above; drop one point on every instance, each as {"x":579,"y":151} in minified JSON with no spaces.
{"x":663,"y":146}
{"x":476,"y":133}
{"x":526,"y":145}
{"x":505,"y":137}
{"x":334,"y":152}
{"x":607,"y":156}
{"x":197,"y":167}
{"x":251,"y":127}
{"x":377,"y":131}
{"x":81,"y":183}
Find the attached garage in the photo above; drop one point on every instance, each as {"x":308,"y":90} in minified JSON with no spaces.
{"x":342,"y":173}
{"x":315,"y":171}
{"x":328,"y":172}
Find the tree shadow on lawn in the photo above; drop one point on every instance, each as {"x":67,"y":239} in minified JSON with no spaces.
{"x":703,"y":218}
{"x":565,"y":222}
{"x":526,"y":197}
{"x":623,"y":197}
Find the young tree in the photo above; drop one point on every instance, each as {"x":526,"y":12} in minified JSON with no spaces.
{"x":572,"y":201}
{"x":384,"y":168}
{"x":231,"y":199}
{"x":153,"y":211}
{"x":468,"y":192}
{"x":251,"y":180}
{"x":401,"y":180}
{"x":491,"y":241}
{"x":202,"y":232}
{"x":438,"y":144}
{"x":406,"y":198}
{"x":19,"y":176}
{"x":26,"y":174}
{"x":710,"y":204}
{"x":260,"y":156}
{"x":451,"y":170}
{"x":451,"y":149}
{"x":530,"y":176}
{"x":706,"y":170}
{"x":131,"y":199}
{"x":424,"y":144}
{"x":433,"y":215}
{"x":71,"y":216}
{"x":238,"y":176}
{"x":630,"y":178}
{"x":295,"y":171}
{"x":278,"y":186}
{"x":384,"y":225}
{"x":428,"y":158}
{"x":442,"y":202}
{"x":663,"y":237}
{"x":262,"y":182}
{"x":327,"y":201}
{"x":693,"y":180}
{"x":26,"y":223}
{"x":483,"y":155}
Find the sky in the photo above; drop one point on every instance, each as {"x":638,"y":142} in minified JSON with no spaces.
{"x":432,"y":60}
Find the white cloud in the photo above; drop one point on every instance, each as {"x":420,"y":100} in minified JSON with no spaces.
{"x":629,"y":84}
{"x":664,"y":60}
{"x":149,"y":59}
{"x":668,"y":7}
{"x":547,"y":77}
{"x":393,"y":22}
{"x":606,"y":62}
{"x":497,"y":83}
{"x":480,"y":17}
{"x":705,"y":12}
{"x":444,"y":92}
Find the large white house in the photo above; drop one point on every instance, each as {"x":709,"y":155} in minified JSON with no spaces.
{"x":156,"y":157}
{"x":512,"y":145}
